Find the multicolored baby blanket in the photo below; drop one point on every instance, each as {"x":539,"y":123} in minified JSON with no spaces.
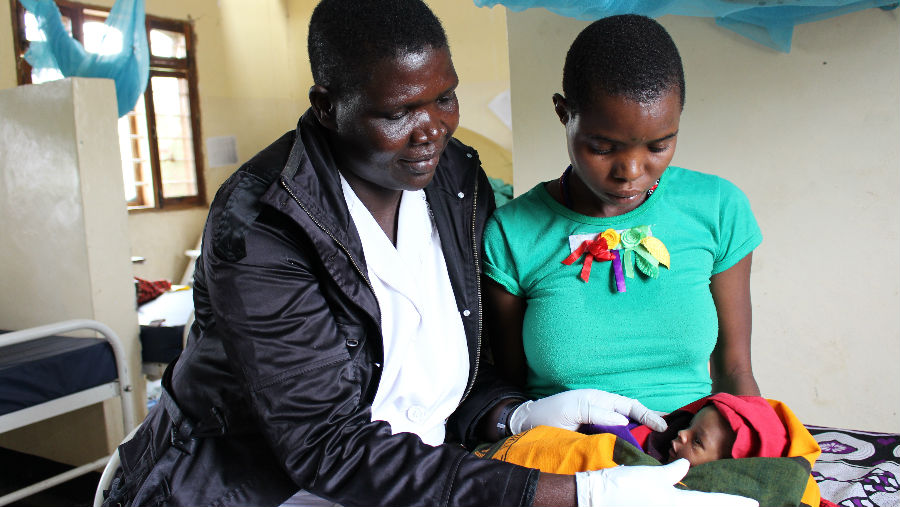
{"x":770,"y":481}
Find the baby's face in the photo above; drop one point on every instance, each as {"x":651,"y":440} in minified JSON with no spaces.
{"x":708,"y":438}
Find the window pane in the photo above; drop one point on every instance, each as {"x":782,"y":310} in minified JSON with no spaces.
{"x":43,"y":75}
{"x":174,"y":136}
{"x":101,"y":39}
{"x":167,"y":44}
{"x":33,"y":33}
{"x":135,"y":150}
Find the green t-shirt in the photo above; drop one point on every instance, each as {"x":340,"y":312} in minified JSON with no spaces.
{"x":651,"y":342}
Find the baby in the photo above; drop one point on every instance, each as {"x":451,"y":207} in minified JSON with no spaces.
{"x":715,"y":427}
{"x":712,"y":428}
{"x":708,"y":438}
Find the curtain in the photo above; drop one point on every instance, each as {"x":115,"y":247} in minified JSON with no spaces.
{"x":125,"y":55}
{"x":768,"y":22}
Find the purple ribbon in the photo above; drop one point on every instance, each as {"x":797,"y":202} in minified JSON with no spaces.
{"x":617,"y":269}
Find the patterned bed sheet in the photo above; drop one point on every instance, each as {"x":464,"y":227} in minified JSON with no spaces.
{"x":858,"y":468}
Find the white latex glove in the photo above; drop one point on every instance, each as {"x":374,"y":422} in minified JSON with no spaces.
{"x":647,"y":486}
{"x":571,"y":409}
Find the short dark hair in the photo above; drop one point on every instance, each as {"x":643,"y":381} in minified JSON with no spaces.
{"x":627,"y":55}
{"x":347,"y":37}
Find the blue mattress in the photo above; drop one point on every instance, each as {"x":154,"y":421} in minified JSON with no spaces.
{"x":44,"y":369}
{"x":161,"y":344}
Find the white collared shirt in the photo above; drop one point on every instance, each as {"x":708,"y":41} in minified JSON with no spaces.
{"x":426,"y":359}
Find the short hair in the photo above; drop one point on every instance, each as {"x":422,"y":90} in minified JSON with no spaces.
{"x":347,"y":37}
{"x":626,"y":55}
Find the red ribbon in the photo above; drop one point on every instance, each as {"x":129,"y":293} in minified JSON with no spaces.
{"x":592,"y":249}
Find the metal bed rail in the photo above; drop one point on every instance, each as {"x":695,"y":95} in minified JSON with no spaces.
{"x":73,"y":401}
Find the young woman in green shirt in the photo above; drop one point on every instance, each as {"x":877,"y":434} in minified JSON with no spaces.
{"x":624,"y":274}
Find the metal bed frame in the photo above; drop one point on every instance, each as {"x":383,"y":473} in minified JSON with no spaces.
{"x":121,"y":388}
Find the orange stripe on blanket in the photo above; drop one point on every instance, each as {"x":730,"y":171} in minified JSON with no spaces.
{"x":570,"y":452}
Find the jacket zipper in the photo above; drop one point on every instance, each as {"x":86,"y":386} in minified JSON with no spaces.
{"x":477,"y":292}
{"x":344,"y":248}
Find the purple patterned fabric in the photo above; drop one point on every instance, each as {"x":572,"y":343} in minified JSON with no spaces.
{"x":835,"y":447}
{"x":858,"y":468}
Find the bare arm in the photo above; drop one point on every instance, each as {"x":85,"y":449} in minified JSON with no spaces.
{"x":730,"y":364}
{"x":504,"y":316}
{"x":555,"y":490}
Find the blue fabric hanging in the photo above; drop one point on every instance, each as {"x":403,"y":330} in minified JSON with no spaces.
{"x":129,"y":68}
{"x":768,"y":22}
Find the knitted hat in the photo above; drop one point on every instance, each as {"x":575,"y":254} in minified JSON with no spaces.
{"x":758,"y":429}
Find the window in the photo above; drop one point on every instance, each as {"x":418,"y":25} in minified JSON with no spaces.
{"x":160,"y":139}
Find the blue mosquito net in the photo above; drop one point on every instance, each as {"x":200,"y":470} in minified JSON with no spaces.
{"x":127,"y":64}
{"x":768,"y":22}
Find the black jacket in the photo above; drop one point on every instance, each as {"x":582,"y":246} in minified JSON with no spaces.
{"x":273,"y":391}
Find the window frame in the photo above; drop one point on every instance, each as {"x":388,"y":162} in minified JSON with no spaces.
{"x":185,"y":68}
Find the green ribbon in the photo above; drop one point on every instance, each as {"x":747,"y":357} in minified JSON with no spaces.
{"x":629,"y":264}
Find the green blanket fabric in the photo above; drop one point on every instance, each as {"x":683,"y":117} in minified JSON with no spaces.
{"x":769,"y":481}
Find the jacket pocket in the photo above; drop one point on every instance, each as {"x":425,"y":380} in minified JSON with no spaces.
{"x":341,"y":356}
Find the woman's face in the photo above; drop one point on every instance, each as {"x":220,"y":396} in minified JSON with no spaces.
{"x":619,"y":148}
{"x":392,"y":130}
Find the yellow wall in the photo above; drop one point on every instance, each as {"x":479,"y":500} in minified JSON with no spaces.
{"x":254,"y":76}
{"x":7,"y":54}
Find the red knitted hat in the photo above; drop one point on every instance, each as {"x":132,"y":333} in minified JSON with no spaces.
{"x":759,"y":431}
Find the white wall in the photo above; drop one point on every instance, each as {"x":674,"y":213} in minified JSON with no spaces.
{"x":813,"y":138}
{"x":65,"y":247}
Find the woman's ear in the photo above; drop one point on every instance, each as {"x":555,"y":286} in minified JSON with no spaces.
{"x":561,"y":107}
{"x":322,"y":104}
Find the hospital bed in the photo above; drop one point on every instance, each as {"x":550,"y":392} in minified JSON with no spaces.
{"x":45,"y":373}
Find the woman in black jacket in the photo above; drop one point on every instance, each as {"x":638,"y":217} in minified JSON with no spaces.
{"x":297,"y":374}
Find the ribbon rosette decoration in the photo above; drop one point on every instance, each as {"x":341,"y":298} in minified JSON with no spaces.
{"x":625,"y":249}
